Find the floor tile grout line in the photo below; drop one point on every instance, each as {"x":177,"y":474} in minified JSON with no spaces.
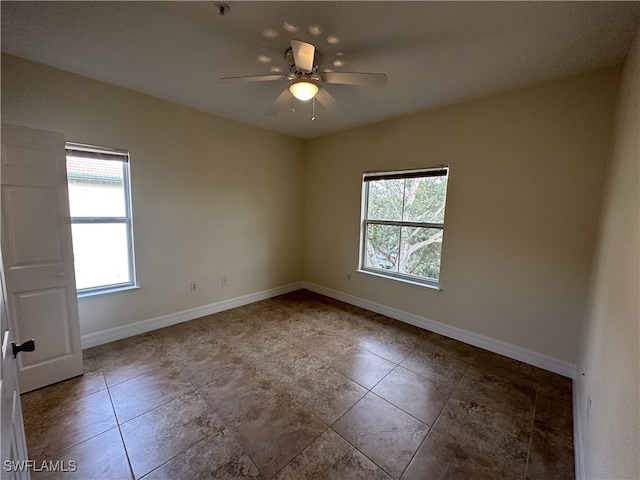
{"x":297,"y":454}
{"x":151,"y":409}
{"x":490,"y":408}
{"x":124,"y":445}
{"x":431,"y":379}
{"x":226,"y":424}
{"x":386,"y":375}
{"x":370,"y":459}
{"x":453,"y":391}
{"x":396,"y":364}
{"x":292,"y":399}
{"x":405,"y":411}
{"x":401,"y":409}
{"x":417,"y":347}
{"x":353,"y":379}
{"x":324,"y":364}
{"x":343,"y":337}
{"x":65,"y":449}
{"x":364,"y":454}
{"x":183,"y":451}
{"x":193,"y":389}
{"x":416,"y":452}
{"x":327,"y":365}
{"x":131,"y":378}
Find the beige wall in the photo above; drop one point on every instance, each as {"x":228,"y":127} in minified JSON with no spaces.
{"x":211,"y":197}
{"x":524,"y":195}
{"x":524,"y":192}
{"x":609,"y":355}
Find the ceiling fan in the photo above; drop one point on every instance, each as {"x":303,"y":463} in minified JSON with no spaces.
{"x":306,"y":80}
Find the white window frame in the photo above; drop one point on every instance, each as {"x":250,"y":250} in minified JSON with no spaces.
{"x":104,"y":153}
{"x":367,"y":177}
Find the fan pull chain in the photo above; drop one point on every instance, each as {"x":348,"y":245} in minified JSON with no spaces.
{"x":313,"y":109}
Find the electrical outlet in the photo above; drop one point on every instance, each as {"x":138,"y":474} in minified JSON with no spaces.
{"x":194,"y":287}
{"x":348,"y":277}
{"x":223,"y":281}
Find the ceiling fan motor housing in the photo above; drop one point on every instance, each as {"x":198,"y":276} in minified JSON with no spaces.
{"x":295,"y":72}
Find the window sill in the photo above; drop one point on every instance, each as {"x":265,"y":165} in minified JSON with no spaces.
{"x":430,"y":286}
{"x":107,"y":291}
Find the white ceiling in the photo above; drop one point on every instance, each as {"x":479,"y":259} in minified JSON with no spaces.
{"x":433,"y":53}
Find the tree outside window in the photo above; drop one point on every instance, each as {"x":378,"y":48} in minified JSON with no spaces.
{"x":403,"y":223}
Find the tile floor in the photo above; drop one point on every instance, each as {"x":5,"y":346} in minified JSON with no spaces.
{"x":302,"y":386}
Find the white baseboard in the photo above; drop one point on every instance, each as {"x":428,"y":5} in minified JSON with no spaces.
{"x":531,"y":357}
{"x":118,"y":333}
{"x":512,"y":351}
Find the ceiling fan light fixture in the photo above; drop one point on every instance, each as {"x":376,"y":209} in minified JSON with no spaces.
{"x":303,"y":90}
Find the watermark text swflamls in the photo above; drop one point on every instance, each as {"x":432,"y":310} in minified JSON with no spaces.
{"x":45,"y":466}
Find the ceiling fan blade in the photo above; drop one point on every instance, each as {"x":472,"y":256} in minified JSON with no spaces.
{"x":279,"y":103}
{"x":303,"y":54}
{"x":349,"y":78}
{"x":251,"y":79}
{"x":327,"y":100}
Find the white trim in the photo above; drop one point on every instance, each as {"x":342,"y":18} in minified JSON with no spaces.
{"x":118,"y":333}
{"x":398,"y":277}
{"x":497,"y":346}
{"x":106,"y":291}
{"x":525,"y":355}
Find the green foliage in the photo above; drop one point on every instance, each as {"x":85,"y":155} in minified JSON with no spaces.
{"x":386,"y":199}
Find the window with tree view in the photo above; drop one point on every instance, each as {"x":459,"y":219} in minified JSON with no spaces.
{"x":403,"y":223}
{"x":99,"y":202}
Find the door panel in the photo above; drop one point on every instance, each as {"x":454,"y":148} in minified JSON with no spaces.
{"x":34,"y":309}
{"x":38,"y":255}
{"x":13,"y":445}
{"x":30,"y":242}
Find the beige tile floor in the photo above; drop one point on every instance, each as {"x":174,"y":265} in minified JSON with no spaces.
{"x":302,"y":386}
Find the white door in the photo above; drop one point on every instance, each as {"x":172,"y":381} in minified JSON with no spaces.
{"x":13,"y":447}
{"x":38,"y":256}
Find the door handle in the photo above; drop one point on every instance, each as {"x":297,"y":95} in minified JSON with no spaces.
{"x":28,"y":346}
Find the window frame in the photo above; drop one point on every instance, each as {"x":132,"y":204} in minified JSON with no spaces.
{"x":367,"y":178}
{"x":104,"y":153}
